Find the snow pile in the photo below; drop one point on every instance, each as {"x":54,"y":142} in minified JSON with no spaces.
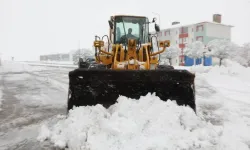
{"x":233,"y":69}
{"x":148,"y":123}
{"x":200,"y":69}
{"x":44,"y":134}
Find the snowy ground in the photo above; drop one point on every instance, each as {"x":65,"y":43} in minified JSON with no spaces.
{"x":33,"y":114}
{"x":28,"y":96}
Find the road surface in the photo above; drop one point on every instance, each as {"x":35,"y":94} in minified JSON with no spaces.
{"x":29,"y":97}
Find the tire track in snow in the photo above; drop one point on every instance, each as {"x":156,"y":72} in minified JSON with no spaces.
{"x":207,"y":107}
{"x":52,"y":77}
{"x":17,"y":116}
{"x":10,"y":105}
{"x":223,"y":106}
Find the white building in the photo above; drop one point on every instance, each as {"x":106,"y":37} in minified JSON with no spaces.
{"x":202,"y":31}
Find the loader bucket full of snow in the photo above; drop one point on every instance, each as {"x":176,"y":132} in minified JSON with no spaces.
{"x":91,"y":87}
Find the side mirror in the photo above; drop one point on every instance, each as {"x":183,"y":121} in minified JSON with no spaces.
{"x":153,"y":21}
{"x":157,"y":28}
{"x":110,"y":24}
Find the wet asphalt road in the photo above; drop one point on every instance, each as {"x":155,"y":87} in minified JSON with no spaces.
{"x":29,"y":99}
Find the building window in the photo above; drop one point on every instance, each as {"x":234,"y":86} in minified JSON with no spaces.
{"x":199,"y":38}
{"x":199,"y":28}
{"x":167,"y":33}
{"x":185,"y":30}
{"x":185,"y":40}
{"x":181,"y":40}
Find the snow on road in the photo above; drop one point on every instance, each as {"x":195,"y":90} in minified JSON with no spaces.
{"x":29,"y":95}
{"x":34,"y":105}
{"x":231,"y":94}
{"x":222,"y":121}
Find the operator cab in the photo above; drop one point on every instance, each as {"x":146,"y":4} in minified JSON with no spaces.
{"x":127,"y":27}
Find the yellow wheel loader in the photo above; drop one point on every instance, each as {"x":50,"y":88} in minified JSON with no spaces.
{"x":128,"y":66}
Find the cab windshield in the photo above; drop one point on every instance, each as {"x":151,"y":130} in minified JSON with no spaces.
{"x":131,"y":27}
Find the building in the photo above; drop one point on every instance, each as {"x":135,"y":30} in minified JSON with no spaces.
{"x":201,"y":31}
{"x":61,"y":56}
{"x":55,"y":57}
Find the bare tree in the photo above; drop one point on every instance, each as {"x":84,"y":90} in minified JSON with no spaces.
{"x":221,"y":48}
{"x":170,"y":53}
{"x":245,"y":55}
{"x":195,"y":50}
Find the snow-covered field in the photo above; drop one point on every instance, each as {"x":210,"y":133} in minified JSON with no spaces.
{"x":222,"y":121}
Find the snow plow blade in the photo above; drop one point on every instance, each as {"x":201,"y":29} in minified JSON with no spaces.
{"x":91,"y":87}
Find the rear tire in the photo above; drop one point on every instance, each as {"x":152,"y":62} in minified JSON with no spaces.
{"x":164,"y":67}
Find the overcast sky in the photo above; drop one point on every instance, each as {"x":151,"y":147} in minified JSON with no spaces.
{"x":29,"y":28}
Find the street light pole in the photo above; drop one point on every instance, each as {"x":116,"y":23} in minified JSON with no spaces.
{"x":0,"y":59}
{"x":158,"y":16}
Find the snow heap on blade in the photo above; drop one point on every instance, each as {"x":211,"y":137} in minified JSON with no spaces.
{"x":147,"y":123}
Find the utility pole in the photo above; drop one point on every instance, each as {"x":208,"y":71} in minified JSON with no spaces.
{"x":0,"y":59}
